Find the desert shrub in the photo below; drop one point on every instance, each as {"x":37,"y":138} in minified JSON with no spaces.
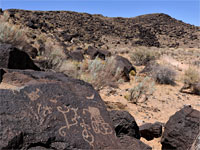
{"x":98,"y":72}
{"x":142,"y":91}
{"x":191,"y":76}
{"x":163,"y":74}
{"x":53,"y":55}
{"x":11,"y":34}
{"x":103,"y":73}
{"x":143,"y":56}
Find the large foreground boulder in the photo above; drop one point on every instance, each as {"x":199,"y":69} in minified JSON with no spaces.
{"x":44,"y":110}
{"x":13,"y":58}
{"x":181,"y":130}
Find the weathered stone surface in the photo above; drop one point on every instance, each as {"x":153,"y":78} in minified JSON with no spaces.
{"x":13,"y":58}
{"x":150,"y":131}
{"x":181,"y":130}
{"x":132,"y":143}
{"x":124,"y":124}
{"x":93,"y":53}
{"x":45,"y":110}
{"x":196,"y":144}
{"x":125,"y":65}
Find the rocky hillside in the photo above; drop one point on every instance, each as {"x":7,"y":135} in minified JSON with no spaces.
{"x":72,"y":28}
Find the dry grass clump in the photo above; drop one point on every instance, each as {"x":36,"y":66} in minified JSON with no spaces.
{"x":142,"y":91}
{"x":191,"y":76}
{"x":143,"y":56}
{"x":191,"y":81}
{"x":164,"y":74}
{"x":11,"y":34}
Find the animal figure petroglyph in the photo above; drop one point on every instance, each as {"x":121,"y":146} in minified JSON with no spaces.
{"x":98,"y":124}
{"x":87,"y":135}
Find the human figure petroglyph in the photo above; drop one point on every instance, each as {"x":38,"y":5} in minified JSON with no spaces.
{"x":74,"y":120}
{"x":98,"y":124}
{"x":87,"y":135}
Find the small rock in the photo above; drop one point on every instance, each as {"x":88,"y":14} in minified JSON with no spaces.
{"x":150,"y":131}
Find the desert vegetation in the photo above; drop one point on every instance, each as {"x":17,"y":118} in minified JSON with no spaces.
{"x":9,"y":33}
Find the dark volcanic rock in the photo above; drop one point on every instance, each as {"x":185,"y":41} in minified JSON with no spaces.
{"x":13,"y":58}
{"x":196,"y":144}
{"x":124,"y":124}
{"x":1,"y":74}
{"x":76,"y":55}
{"x":125,"y":66}
{"x":133,"y":143}
{"x":46,"y":110}
{"x":93,"y":53}
{"x":181,"y":130}
{"x":150,"y":131}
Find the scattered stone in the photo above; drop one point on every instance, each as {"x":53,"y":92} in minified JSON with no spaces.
{"x":124,"y":124}
{"x":181,"y":130}
{"x":150,"y":131}
{"x":76,"y":55}
{"x":93,"y":53}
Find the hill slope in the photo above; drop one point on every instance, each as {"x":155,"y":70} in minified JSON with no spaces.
{"x":72,"y":28}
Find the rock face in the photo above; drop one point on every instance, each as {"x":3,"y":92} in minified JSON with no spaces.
{"x":125,"y":66}
{"x":181,"y":130}
{"x":150,"y":131}
{"x":124,"y":124}
{"x":44,"y":110}
{"x":13,"y":58}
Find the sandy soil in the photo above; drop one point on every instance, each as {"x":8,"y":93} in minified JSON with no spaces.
{"x":165,"y":101}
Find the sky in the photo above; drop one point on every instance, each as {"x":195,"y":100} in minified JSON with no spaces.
{"x":186,"y":10}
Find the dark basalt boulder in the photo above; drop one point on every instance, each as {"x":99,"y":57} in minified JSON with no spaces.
{"x":132,"y":143}
{"x":124,"y":124}
{"x":93,"y":53}
{"x":125,"y":66}
{"x":13,"y":58}
{"x":76,"y":55}
{"x":149,"y":131}
{"x":181,"y":130}
{"x":46,"y":110}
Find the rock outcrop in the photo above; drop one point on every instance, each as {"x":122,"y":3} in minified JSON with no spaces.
{"x":159,"y":30}
{"x":181,"y":130}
